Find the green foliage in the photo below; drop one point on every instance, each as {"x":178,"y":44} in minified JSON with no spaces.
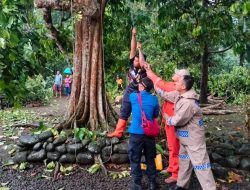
{"x":84,"y":133}
{"x":12,"y":116}
{"x":94,"y":168}
{"x":25,"y":47}
{"x":233,"y":85}
{"x":37,"y":90}
{"x":51,"y":165}
{"x":23,"y":166}
{"x":159,"y":149}
{"x":66,"y":170}
{"x":118,"y":175}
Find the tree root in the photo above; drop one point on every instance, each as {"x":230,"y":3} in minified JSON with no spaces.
{"x":56,"y":171}
{"x":104,"y":169}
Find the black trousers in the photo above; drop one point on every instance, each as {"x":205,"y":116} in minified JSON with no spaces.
{"x":138,"y":144}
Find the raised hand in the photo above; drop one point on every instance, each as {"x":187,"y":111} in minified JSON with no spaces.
{"x":134,"y":31}
{"x":146,"y":66}
{"x":138,"y":45}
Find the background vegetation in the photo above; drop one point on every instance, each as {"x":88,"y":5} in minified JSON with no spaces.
{"x":173,"y":34}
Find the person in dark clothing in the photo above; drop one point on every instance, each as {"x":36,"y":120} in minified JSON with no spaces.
{"x":135,"y":74}
{"x":138,"y":142}
{"x":119,"y":83}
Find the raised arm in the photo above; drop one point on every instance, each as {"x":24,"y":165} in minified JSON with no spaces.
{"x":159,"y":82}
{"x":133,"y":44}
{"x":168,"y":96}
{"x":141,"y":55}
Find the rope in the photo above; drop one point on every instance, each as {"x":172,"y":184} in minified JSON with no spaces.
{"x":131,"y":13}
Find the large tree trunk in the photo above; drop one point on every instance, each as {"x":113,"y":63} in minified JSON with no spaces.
{"x":88,"y":106}
{"x":204,"y":76}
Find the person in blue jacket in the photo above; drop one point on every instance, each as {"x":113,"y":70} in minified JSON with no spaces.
{"x":138,"y":142}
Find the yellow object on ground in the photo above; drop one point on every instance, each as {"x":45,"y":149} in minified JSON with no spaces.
{"x":158,"y":163}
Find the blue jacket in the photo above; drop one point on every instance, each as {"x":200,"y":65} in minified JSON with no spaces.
{"x":150,"y":106}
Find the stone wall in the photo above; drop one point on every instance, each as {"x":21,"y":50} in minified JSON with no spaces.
{"x":36,"y":148}
{"x":228,"y":151}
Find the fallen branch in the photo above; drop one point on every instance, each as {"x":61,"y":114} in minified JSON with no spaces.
{"x":26,"y":125}
{"x":213,"y":101}
{"x":213,"y":106}
{"x":104,"y":169}
{"x":217,"y":112}
{"x":56,"y":171}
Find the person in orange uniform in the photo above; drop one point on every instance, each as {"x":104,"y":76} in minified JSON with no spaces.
{"x":168,"y":108}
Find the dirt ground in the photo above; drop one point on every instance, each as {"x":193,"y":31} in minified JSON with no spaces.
{"x":80,"y":179}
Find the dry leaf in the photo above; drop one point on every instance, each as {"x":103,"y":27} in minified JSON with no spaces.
{"x":233,"y":177}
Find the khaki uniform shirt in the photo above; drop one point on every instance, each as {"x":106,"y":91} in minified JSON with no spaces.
{"x":187,"y":116}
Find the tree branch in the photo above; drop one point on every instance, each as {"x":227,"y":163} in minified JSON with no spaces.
{"x":221,"y":51}
{"x":54,"y":4}
{"x":87,"y":8}
{"x":54,"y":33}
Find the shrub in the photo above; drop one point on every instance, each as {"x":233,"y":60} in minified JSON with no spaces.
{"x":36,"y":90}
{"x":233,"y":85}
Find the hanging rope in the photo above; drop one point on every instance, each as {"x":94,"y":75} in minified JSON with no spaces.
{"x":131,"y":13}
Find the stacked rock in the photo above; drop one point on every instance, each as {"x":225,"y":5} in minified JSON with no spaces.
{"x":36,"y":148}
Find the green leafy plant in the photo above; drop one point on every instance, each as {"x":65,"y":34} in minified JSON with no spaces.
{"x":66,"y":170}
{"x":51,"y":165}
{"x":82,"y":133}
{"x":23,"y":166}
{"x":118,"y":175}
{"x":159,"y":149}
{"x":36,"y":90}
{"x":94,"y":168}
{"x":234,"y":86}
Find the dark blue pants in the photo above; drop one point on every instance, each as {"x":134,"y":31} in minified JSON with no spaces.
{"x":137,"y":144}
{"x":67,"y":91}
{"x":126,"y":108}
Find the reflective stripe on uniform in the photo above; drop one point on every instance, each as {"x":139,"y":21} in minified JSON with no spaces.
{"x":201,"y":123}
{"x":182,"y":133}
{"x":184,"y":156}
{"x":170,"y":121}
{"x":202,"y":167}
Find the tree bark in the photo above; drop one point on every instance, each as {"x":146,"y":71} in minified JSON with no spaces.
{"x":204,"y":76}
{"x":88,"y":105}
{"x":54,"y":33}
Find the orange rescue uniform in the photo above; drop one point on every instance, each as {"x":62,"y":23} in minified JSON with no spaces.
{"x":168,"y":108}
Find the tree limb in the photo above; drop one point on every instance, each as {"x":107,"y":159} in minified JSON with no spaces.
{"x":87,"y":8}
{"x":54,"y":33}
{"x":221,"y":51}
{"x":56,"y":5}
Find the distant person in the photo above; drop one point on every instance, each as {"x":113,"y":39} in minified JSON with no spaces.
{"x":67,"y":85}
{"x":70,"y":83}
{"x":58,"y":83}
{"x":188,"y":123}
{"x":119,"y":82}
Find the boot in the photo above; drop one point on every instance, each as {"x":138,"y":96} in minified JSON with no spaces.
{"x":120,"y":127}
{"x":136,"y":186}
{"x":152,"y":185}
{"x":176,"y":187}
{"x":170,"y":180}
